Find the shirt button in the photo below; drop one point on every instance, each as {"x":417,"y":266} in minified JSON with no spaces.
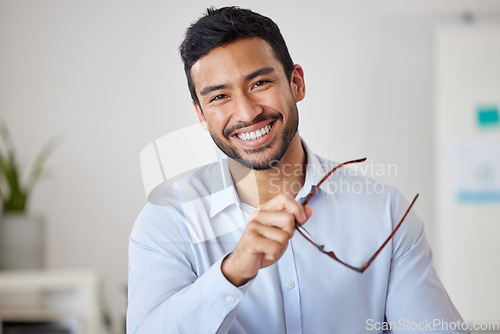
{"x":290,"y":285}
{"x":230,"y":299}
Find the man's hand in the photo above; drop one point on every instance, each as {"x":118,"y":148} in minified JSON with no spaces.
{"x":265,"y":238}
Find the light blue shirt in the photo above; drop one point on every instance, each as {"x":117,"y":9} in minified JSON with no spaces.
{"x":180,"y":239}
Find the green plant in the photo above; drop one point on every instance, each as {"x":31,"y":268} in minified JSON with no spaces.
{"x":14,"y":193}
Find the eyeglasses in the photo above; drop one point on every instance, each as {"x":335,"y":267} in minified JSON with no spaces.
{"x":331,"y":254}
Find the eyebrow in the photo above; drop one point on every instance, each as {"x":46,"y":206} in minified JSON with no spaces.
{"x":209,"y":89}
{"x":253,"y":75}
{"x":265,"y":70}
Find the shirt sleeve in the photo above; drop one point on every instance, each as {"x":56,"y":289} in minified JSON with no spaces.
{"x":416,"y":299}
{"x":165,"y":294}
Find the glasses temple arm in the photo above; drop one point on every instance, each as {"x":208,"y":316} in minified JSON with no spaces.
{"x":308,"y":236}
{"x":365,"y":265}
{"x":315,"y":188}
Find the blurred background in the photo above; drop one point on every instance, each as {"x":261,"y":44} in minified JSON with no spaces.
{"x":386,"y":79}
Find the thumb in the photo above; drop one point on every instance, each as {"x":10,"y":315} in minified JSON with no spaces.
{"x":308,"y":211}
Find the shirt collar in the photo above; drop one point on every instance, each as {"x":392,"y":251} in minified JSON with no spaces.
{"x":222,"y":199}
{"x":315,"y":170}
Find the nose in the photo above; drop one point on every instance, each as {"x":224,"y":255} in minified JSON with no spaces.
{"x":246,"y":108}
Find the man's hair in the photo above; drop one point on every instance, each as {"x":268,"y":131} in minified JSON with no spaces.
{"x":225,"y":25}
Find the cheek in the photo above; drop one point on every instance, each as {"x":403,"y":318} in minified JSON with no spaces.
{"x":217,"y":121}
{"x":278,"y":99}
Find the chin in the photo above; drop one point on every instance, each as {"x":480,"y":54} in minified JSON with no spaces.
{"x":267,"y":161}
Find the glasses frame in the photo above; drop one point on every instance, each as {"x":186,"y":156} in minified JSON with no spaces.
{"x":331,"y":254}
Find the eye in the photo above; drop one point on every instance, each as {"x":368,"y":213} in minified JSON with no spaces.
{"x":218,"y":97}
{"x":260,"y":83}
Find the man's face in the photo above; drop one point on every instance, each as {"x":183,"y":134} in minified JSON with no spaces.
{"x":247,"y":102}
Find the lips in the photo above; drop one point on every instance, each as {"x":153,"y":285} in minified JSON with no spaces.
{"x":253,"y":135}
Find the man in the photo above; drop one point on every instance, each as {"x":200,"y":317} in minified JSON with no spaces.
{"x":216,"y":252}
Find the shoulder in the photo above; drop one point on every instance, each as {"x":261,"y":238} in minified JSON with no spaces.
{"x":196,"y":184}
{"x":351,"y":180}
{"x":352,"y":187}
{"x":166,"y":202}
{"x":184,"y":209}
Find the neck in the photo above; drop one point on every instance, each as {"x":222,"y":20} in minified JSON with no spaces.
{"x":256,"y":187}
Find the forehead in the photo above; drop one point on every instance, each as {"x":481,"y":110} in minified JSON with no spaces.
{"x":233,"y":61}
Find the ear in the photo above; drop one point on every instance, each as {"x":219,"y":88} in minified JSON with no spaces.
{"x":298,"y":84}
{"x":201,"y":117}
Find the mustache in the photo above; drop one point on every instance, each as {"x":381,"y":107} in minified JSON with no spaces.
{"x":259,"y":118}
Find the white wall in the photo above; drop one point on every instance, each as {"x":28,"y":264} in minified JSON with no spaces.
{"x":108,"y":75}
{"x":467,"y":77}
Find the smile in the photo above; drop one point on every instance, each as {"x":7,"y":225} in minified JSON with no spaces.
{"x":255,"y":135}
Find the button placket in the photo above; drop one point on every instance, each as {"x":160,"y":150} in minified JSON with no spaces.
{"x":290,"y":290}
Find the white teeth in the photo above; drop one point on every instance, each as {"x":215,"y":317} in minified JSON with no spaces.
{"x":254,"y":135}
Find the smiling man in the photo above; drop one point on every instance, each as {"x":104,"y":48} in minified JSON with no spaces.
{"x":249,"y":103}
{"x":217,"y":251}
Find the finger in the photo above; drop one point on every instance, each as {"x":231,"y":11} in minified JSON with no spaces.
{"x":281,"y":220}
{"x":308,"y":211}
{"x":273,"y":233}
{"x":270,"y":248}
{"x":284,"y":202}
{"x":262,"y":239}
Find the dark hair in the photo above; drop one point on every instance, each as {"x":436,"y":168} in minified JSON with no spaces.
{"x":222,"y":26}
